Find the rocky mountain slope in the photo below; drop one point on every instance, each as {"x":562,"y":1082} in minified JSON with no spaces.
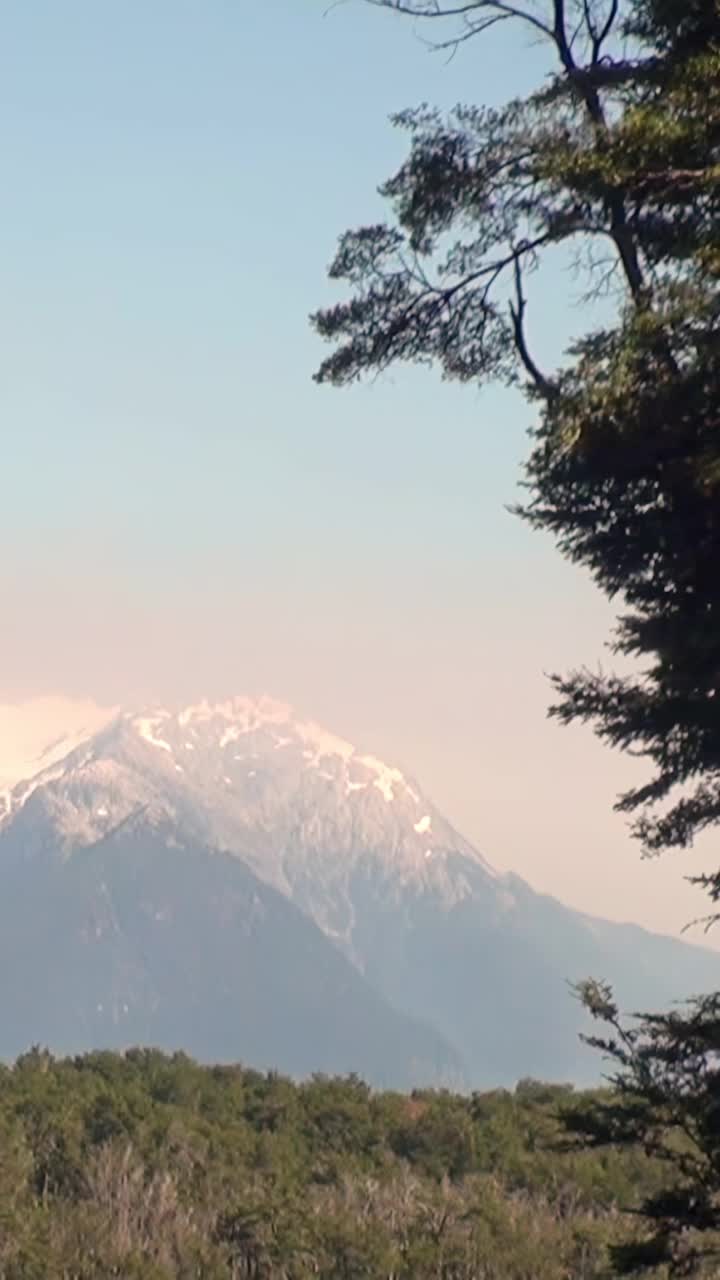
{"x":392,"y":895}
{"x":145,"y":938}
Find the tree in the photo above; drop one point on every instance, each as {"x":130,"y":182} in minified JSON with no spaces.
{"x":186,"y":1191}
{"x":667,"y":1101}
{"x":615,"y":159}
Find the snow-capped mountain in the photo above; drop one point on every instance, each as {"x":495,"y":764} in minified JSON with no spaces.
{"x":36,"y":733}
{"x":363,"y":856}
{"x":302,"y":807}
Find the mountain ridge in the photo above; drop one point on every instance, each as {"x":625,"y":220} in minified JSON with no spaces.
{"x":155,"y":940}
{"x":367,"y":858}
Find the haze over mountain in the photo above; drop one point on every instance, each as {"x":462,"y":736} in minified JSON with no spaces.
{"x":35,"y":733}
{"x":239,"y":882}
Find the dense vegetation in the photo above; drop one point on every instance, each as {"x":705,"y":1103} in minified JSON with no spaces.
{"x":151,"y":1166}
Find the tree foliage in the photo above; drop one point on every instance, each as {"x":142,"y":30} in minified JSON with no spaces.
{"x":614,"y":159}
{"x":666,"y":1102}
{"x":151,"y":1167}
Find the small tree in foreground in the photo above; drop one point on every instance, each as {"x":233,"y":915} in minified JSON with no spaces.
{"x":666,"y":1099}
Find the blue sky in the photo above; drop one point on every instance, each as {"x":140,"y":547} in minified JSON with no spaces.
{"x":175,"y":179}
{"x":183,"y":511}
{"x":176,"y":175}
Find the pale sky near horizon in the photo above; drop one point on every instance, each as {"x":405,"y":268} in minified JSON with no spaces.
{"x":185,"y":513}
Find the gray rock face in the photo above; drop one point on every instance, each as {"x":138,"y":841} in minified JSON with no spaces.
{"x":144,"y":938}
{"x":391,"y":893}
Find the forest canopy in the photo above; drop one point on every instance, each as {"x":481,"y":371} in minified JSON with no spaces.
{"x":148,"y":1166}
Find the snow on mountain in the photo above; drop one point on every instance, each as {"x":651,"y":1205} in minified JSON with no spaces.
{"x":37,"y":733}
{"x":357,"y":846}
{"x":293,"y":800}
{"x":181,"y":878}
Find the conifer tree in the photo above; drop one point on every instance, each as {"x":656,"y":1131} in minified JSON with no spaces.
{"x":617,"y":155}
{"x":618,"y":151}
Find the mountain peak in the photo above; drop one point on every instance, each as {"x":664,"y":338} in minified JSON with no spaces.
{"x":239,"y":710}
{"x":241,"y":719}
{"x":252,"y":776}
{"x":173,"y":854}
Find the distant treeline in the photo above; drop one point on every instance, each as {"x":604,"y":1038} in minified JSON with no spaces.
{"x":143,"y":1165}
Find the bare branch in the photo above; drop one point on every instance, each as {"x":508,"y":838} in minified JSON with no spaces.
{"x":490,"y":271}
{"x":609,"y":23}
{"x":560,"y":36}
{"x":589,"y":21}
{"x":598,"y":34}
{"x":428,"y":9}
{"x":517,"y":313}
{"x":473,"y":29}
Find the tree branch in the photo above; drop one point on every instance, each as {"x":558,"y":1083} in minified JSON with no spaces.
{"x":428,"y":9}
{"x":598,"y":34}
{"x":490,"y":11}
{"x":472,"y":29}
{"x":546,"y":388}
{"x":620,"y":233}
{"x":608,"y":24}
{"x":559,"y":33}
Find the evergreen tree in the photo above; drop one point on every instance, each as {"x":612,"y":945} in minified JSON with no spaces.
{"x":666,"y":1100}
{"x":619,"y":148}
